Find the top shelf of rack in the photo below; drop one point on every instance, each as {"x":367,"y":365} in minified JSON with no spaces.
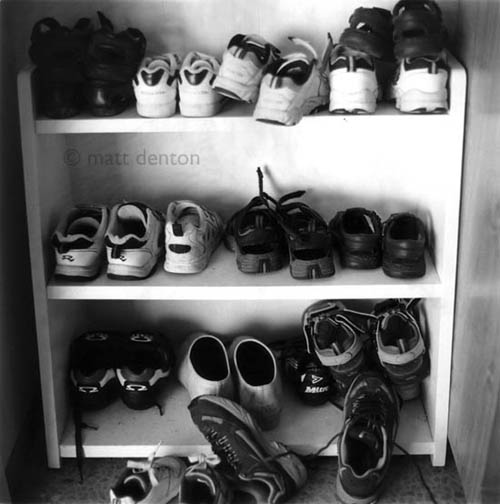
{"x":236,"y":116}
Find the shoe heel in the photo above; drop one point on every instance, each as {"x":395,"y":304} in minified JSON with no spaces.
{"x":363,"y":101}
{"x":408,"y":392}
{"x":417,"y":101}
{"x":258,"y":263}
{"x":309,"y":270}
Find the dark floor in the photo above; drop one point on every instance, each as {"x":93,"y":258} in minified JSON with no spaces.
{"x":403,"y":484}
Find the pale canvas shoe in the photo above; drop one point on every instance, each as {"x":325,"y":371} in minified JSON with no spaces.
{"x":259,"y":381}
{"x":204,"y":366}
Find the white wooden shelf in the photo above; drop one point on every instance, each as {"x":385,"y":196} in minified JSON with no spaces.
{"x":222,"y":280}
{"x":122,"y":432}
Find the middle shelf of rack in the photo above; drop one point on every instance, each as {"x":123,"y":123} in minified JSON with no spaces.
{"x":222,"y":280}
{"x":121,"y":432}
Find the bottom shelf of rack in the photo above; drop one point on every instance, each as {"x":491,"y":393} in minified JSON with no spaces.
{"x":122,"y":432}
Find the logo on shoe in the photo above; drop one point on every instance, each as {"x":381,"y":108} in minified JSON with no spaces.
{"x":97,"y":336}
{"x":122,"y":258}
{"x":67,"y":257}
{"x":141,"y":338}
{"x":132,"y":387}
{"x":88,"y":390}
{"x":316,"y":390}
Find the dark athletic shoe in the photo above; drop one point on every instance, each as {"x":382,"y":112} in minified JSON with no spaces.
{"x":404,"y":246}
{"x":255,"y":465}
{"x":58,"y":53}
{"x":401,"y":347}
{"x":203,"y":482}
{"x":146,"y":360}
{"x":357,"y":234}
{"x":111,"y":63}
{"x":371,"y":418}
{"x":336,"y":335}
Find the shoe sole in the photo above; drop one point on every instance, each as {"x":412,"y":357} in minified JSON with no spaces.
{"x":171,"y":265}
{"x":291,"y":116}
{"x":415,"y":101}
{"x":403,"y":268}
{"x":361,"y":102}
{"x":189,"y":108}
{"x":77,"y":272}
{"x":156,"y":109}
{"x":309,"y":270}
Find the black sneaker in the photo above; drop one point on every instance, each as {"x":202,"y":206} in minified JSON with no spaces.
{"x":337,"y":339}
{"x":257,"y":466}
{"x":92,"y":369}
{"x":111,"y":63}
{"x":371,"y":418}
{"x":204,"y":483}
{"x":312,"y":381}
{"x":146,"y":360}
{"x":58,"y":53}
{"x":400,"y":346}
{"x":357,"y":234}
{"x":404,"y":241}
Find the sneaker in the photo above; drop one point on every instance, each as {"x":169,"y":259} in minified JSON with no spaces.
{"x":134,"y":241}
{"x":365,"y":445}
{"x":401,"y":347}
{"x":197,"y":98}
{"x":202,"y":482}
{"x":292,"y":87}
{"x":192,"y":234}
{"x":418,"y":29}
{"x":145,"y":362}
{"x":420,"y":84}
{"x":337,"y":340}
{"x":155,"y":85}
{"x":369,"y":32}
{"x":58,"y":53}
{"x":265,"y":469}
{"x":311,"y":380}
{"x":353,"y":81}
{"x":255,"y":235}
{"x":92,"y":370}
{"x":156,"y":481}
{"x":111,"y":62}
{"x":243,"y":65}
{"x":258,"y":379}
{"x":78,"y":242}
{"x":357,"y":234}
{"x":309,"y":241}
{"x":404,"y":246}
{"x":204,"y":366}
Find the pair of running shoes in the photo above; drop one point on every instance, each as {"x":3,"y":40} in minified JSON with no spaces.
{"x":134,"y":237}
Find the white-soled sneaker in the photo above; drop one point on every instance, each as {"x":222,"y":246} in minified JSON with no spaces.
{"x":155,"y":481}
{"x":192,"y":233}
{"x":134,"y":241}
{"x":353,"y":81}
{"x":292,"y":87}
{"x":243,"y":64}
{"x":420,"y":85}
{"x":78,"y":242}
{"x":155,"y":85}
{"x":197,"y":98}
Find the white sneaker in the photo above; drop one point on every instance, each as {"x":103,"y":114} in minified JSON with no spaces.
{"x":78,"y":241}
{"x":192,"y":233}
{"x":155,"y":481}
{"x":155,"y":85}
{"x":420,"y":85}
{"x":259,"y":381}
{"x":197,"y":98}
{"x":243,"y":64}
{"x":353,"y":81}
{"x":292,"y":87}
{"x":134,"y":241}
{"x":204,"y":366}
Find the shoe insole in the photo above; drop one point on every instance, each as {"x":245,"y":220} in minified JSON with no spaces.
{"x":87,"y":226}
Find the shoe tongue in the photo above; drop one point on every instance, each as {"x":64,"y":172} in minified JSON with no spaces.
{"x":293,"y":65}
{"x":86,"y":226}
{"x":333,"y":336}
{"x":368,"y":436}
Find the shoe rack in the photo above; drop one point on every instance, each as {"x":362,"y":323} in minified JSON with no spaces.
{"x":387,"y":162}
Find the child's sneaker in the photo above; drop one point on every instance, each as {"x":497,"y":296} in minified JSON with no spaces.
{"x":243,"y":65}
{"x":155,"y":481}
{"x":192,"y":233}
{"x":78,"y":242}
{"x":134,"y":241}
{"x":155,"y":86}
{"x":292,"y":87}
{"x":197,"y":98}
